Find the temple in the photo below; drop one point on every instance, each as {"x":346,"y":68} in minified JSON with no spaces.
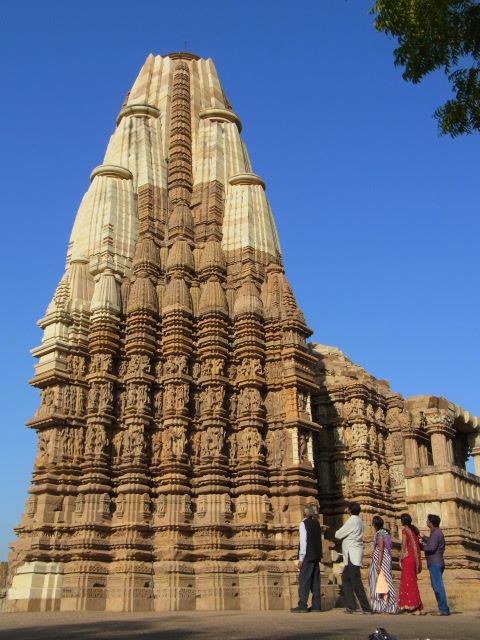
{"x":184,"y":420}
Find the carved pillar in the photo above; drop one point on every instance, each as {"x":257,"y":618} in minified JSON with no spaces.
{"x":474,"y":443}
{"x":439,"y":426}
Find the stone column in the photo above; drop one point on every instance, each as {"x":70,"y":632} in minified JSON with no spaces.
{"x":474,"y":443}
{"x":439,"y":428}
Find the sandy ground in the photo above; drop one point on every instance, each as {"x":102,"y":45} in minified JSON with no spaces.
{"x":233,"y":625}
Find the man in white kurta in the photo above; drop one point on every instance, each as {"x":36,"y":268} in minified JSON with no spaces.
{"x":351,"y":535}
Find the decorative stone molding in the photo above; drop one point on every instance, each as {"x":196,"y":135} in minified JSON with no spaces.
{"x":112,"y":171}
{"x":138,"y":111}
{"x":246,"y":178}
{"x":221,"y":115}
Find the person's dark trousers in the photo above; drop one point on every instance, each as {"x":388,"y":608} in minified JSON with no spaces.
{"x":353,"y":586}
{"x":436,"y":580}
{"x":309,"y":580}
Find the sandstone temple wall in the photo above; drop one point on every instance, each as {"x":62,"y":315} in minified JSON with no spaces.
{"x":184,"y":421}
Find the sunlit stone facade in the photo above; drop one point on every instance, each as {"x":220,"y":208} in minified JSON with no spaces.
{"x":184,"y":422}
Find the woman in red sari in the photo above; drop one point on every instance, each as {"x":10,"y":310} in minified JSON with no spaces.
{"x":411,"y":562}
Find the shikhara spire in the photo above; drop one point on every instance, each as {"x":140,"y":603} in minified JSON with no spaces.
{"x":176,"y":442}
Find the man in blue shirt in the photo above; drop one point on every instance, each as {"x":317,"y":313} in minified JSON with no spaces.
{"x":434,"y":548}
{"x":309,"y":556}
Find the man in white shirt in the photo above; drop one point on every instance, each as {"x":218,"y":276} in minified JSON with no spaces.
{"x":351,"y":535}
{"x":309,"y":556}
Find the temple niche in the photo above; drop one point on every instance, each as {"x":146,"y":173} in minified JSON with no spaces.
{"x":184,"y":421}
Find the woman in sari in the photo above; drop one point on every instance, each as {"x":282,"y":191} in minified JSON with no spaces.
{"x":410,"y":560}
{"x":382,"y":559}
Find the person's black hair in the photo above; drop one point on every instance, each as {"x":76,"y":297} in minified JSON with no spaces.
{"x":434,"y":519}
{"x":406,"y":520}
{"x":354,"y":508}
{"x":377,"y":522}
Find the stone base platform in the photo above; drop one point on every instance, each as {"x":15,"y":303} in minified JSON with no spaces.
{"x":174,"y":586}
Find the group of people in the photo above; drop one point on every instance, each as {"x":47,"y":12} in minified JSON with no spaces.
{"x":382,"y":600}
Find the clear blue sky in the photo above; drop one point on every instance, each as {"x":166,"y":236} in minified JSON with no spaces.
{"x":377,"y":216}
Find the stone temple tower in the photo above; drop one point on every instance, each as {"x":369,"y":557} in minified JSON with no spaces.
{"x":184,"y":422}
{"x":174,"y":430}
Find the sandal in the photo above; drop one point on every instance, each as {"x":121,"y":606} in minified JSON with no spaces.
{"x":439,"y":613}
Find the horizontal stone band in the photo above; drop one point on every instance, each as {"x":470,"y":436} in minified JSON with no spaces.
{"x":222,"y":115}
{"x":139,"y":111}
{"x":246,"y":178}
{"x":112,"y":171}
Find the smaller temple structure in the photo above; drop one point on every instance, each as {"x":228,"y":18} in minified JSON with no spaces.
{"x":394,"y":455}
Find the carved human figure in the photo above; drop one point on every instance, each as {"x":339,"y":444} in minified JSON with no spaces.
{"x":117,"y":443}
{"x":233,"y":406}
{"x":338,"y":435}
{"x":233,"y":447}
{"x":158,"y":403}
{"x":302,"y":447}
{"x":159,"y":370}
{"x":90,"y":440}
{"x":196,"y":370}
{"x":81,"y":402}
{"x":232,"y":373}
{"x":79,"y":442}
{"x":100,"y":439}
{"x":156,"y":447}
{"x":66,"y":399}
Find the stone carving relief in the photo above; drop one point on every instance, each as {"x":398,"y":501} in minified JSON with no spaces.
{"x":397,"y":475}
{"x":186,"y":505}
{"x":250,"y":368}
{"x":233,"y":405}
{"x":362,"y":471}
{"x":232,"y":373}
{"x":360,"y":434}
{"x":161,"y":505}
{"x":273,"y":370}
{"x":173,"y":442}
{"x":232,"y":447}
{"x":249,"y":400}
{"x":176,"y":397}
{"x":156,"y":447}
{"x":339,"y":436}
{"x":384,"y":477}
{"x":76,"y":366}
{"x":249,"y":443}
{"x":138,"y":365}
{"x":67,"y":442}
{"x":394,"y":446}
{"x":302,"y":447}
{"x":176,"y":365}
{"x":276,"y":448}
{"x":242,"y":506}
{"x":302,"y":401}
{"x":209,"y":443}
{"x":369,"y":412}
{"x":134,"y":443}
{"x":101,"y":363}
{"x":275,"y":404}
{"x":95,"y":440}
{"x":379,"y":415}
{"x":44,"y":448}
{"x":211,"y":399}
